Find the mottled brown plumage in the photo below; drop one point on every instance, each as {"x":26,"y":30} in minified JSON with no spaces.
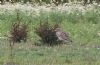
{"x":62,"y":36}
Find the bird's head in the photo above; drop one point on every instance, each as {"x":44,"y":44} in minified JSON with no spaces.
{"x":57,"y":29}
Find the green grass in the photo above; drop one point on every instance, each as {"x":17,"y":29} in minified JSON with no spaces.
{"x":82,"y":28}
{"x":28,"y":54}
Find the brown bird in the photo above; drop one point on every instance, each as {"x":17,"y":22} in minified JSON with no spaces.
{"x":62,"y":36}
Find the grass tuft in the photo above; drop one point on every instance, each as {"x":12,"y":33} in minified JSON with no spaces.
{"x":47,"y":33}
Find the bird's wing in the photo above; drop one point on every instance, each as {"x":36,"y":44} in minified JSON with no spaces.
{"x":64,"y":35}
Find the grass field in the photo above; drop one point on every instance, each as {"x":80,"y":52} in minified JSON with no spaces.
{"x":82,"y":23}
